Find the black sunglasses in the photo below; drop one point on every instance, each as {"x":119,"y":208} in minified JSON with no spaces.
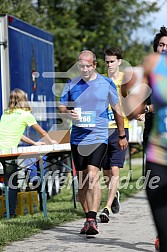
{"x":163,"y":30}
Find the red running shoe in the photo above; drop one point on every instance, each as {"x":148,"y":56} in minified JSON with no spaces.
{"x":85,"y":227}
{"x":92,"y":227}
{"x":156,"y":244}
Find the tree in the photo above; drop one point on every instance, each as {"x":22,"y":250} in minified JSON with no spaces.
{"x":86,"y":24}
{"x":62,"y":21}
{"x":112,"y":23}
{"x":21,"y":9}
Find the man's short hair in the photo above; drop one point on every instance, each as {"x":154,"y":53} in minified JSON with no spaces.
{"x":113,"y":51}
{"x":158,"y":36}
{"x":89,"y":52}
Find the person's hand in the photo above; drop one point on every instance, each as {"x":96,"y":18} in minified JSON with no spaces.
{"x":39,"y":143}
{"x":123,"y":143}
{"x":74,"y":114}
{"x":140,"y":117}
{"x":53,"y":141}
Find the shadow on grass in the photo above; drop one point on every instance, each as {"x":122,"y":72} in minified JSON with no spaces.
{"x":55,"y":218}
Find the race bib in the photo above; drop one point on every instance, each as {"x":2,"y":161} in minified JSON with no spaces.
{"x":88,"y":119}
{"x":162,"y":120}
{"x":111,"y":119}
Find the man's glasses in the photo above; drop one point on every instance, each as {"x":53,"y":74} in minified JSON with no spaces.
{"x":83,"y":66}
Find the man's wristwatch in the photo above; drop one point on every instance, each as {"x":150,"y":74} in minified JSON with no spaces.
{"x":147,"y":109}
{"x":122,"y":137}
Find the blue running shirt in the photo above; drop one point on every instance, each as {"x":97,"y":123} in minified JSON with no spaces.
{"x":93,"y":97}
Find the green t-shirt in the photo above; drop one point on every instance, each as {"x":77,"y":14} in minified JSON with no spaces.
{"x":12,"y":127}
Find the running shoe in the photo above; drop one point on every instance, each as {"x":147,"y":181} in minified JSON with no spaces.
{"x":92,"y":227}
{"x":156,"y":244}
{"x":84,"y":228}
{"x":104,"y":216}
{"x":115,"y":207}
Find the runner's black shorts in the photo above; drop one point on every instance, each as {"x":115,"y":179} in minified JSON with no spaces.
{"x":84,"y":155}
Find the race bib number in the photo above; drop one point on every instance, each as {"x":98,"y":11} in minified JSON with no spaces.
{"x":111,"y":119}
{"x":88,"y":119}
{"x":162,"y":120}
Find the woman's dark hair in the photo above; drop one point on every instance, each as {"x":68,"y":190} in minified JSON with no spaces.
{"x":158,"y":36}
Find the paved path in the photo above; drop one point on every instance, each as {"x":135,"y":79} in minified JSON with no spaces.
{"x":129,"y":231}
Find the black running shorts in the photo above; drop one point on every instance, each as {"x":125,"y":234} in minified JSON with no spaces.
{"x":84,"y":155}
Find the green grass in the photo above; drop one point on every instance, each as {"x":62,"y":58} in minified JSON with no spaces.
{"x":60,"y":210}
